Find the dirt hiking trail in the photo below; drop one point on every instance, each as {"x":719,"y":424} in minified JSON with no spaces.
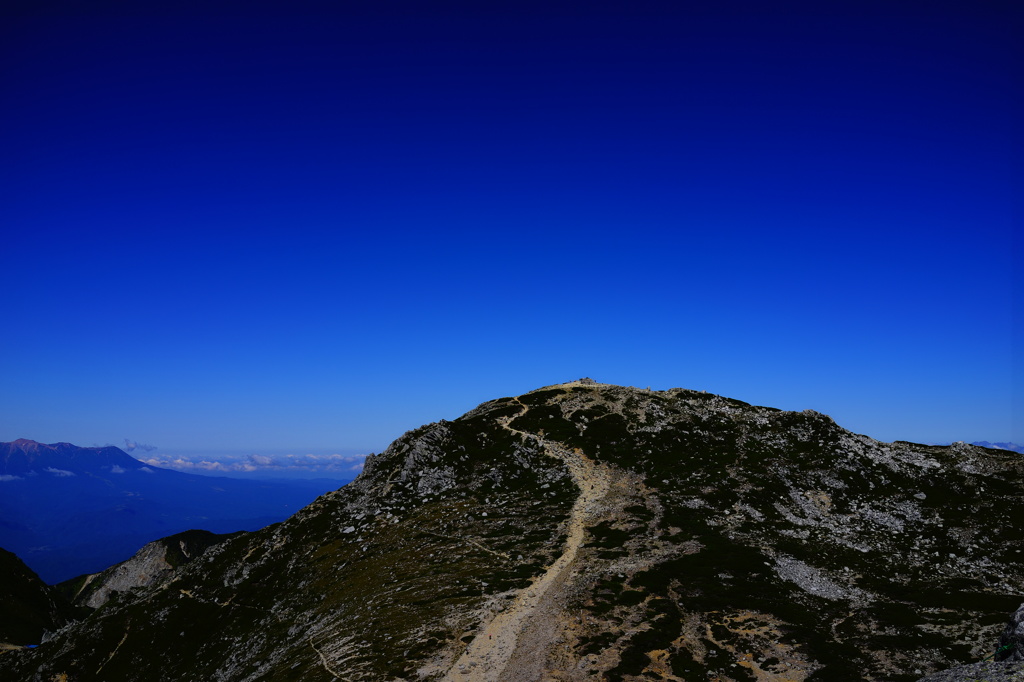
{"x":512,"y":635}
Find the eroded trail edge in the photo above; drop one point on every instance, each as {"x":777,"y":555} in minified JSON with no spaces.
{"x":488,"y":655}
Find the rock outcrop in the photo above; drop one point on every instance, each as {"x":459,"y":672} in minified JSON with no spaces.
{"x":148,"y":566}
{"x":1011,"y":642}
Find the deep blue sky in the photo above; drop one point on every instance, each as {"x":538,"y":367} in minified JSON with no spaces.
{"x":266,"y":230}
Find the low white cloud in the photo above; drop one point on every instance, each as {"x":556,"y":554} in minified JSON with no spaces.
{"x":116,"y":469}
{"x":9,"y":477}
{"x":130,"y":445}
{"x":182,"y":464}
{"x":312,"y":465}
{"x":60,"y":473}
{"x":147,"y":470}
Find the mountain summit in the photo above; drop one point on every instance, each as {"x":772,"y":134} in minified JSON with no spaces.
{"x":587,"y":531}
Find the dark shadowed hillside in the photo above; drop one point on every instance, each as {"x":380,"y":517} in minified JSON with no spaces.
{"x":28,"y":607}
{"x":586,"y":531}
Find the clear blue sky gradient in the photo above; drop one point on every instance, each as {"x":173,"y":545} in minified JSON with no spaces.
{"x":253,"y":229}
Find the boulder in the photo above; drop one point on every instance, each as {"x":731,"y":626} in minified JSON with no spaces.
{"x":1011,"y":642}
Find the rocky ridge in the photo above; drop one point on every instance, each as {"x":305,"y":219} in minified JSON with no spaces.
{"x":586,"y":531}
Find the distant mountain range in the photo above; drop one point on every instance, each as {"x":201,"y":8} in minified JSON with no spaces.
{"x":1001,"y":446}
{"x":67,"y":510}
{"x":584,"y":532}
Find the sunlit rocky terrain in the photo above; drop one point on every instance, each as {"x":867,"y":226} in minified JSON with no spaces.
{"x":585,"y":531}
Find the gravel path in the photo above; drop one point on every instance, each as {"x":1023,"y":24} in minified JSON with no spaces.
{"x":534,"y":609}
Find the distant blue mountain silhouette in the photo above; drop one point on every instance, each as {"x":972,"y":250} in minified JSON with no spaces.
{"x":1002,"y":446}
{"x":67,"y":510}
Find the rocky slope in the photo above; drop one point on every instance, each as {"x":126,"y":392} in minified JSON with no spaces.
{"x":148,"y":566}
{"x":988,"y":671}
{"x":1006,"y":664}
{"x":586,"y":531}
